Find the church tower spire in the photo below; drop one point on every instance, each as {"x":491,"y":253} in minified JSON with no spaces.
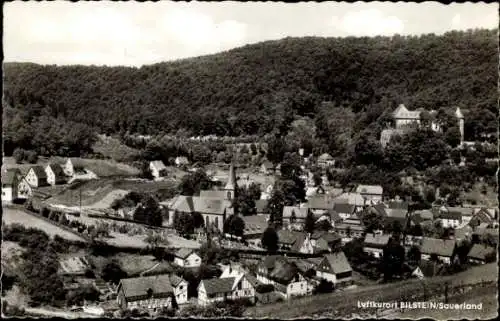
{"x":231,"y":185}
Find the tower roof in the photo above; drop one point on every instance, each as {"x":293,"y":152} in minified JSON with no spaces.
{"x":458,"y":113}
{"x":231,"y":182}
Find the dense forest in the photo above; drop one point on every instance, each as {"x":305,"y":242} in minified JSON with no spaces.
{"x":257,"y":89}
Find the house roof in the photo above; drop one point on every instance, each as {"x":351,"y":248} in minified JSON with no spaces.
{"x":260,"y":205}
{"x":252,"y":280}
{"x":467,"y":211}
{"x":403,"y":113}
{"x":370,"y":189}
{"x":218,"y":285}
{"x":344,"y":208}
{"x":376,"y":240}
{"x":330,"y":237}
{"x":176,"y":280}
{"x":334,"y":216}
{"x":429,"y":268}
{"x":270,"y":260}
{"x":255,"y":224}
{"x":9,"y":176}
{"x":396,"y":213}
{"x":398,"y":205}
{"x":351,"y":198}
{"x":136,"y":287}
{"x":480,"y":251}
{"x":57,"y":170}
{"x":338,"y":262}
{"x":183,"y":253}
{"x":325,"y":157}
{"x":439,"y":246}
{"x":39,"y":171}
{"x":353,"y":227}
{"x":288,"y":237}
{"x":451,"y":215}
{"x":424,"y":214}
{"x":320,"y":202}
{"x":210,"y":205}
{"x":158,"y":164}
{"x":300,"y":212}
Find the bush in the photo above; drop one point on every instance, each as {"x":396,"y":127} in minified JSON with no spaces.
{"x":264,"y":288}
{"x":324,"y":286}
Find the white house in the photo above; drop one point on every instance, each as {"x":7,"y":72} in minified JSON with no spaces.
{"x":187,"y":258}
{"x":371,"y":193}
{"x":443,"y":249}
{"x":36,"y":176}
{"x":158,"y":169}
{"x":74,"y":166}
{"x":375,"y":243}
{"x":326,"y":160}
{"x":150,"y":292}
{"x":10,"y":181}
{"x":55,"y":174}
{"x":335,"y":268}
{"x":24,"y":190}
{"x":180,"y":287}
{"x":286,"y":277}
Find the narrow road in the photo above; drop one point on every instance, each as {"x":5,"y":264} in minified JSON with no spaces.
{"x":60,"y":314}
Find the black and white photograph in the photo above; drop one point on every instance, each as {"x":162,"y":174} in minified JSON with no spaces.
{"x":317,"y":160}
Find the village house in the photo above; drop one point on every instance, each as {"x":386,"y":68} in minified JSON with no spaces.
{"x":312,"y":191}
{"x":404,"y":118}
{"x":244,"y":284}
{"x":180,"y":287}
{"x":295,"y":241}
{"x":374,"y":244}
{"x":230,"y":286}
{"x":294,"y":216}
{"x":479,"y":254}
{"x":348,"y":231}
{"x":187,"y":258}
{"x":158,"y":169}
{"x":255,"y":225}
{"x":266,"y":194}
{"x":286,"y":277}
{"x":395,"y":215}
{"x":181,"y":161}
{"x":482,"y":216}
{"x":24,"y":189}
{"x":73,"y":167}
{"x":321,"y":238}
{"x":36,"y":176}
{"x":372,"y":193}
{"x":450,"y":219}
{"x":149,"y":292}
{"x":335,"y":268}
{"x":355,"y":199}
{"x":326,"y":160}
{"x":421,"y":216}
{"x":444,"y":249}
{"x":55,"y":174}
{"x":10,"y":182}
{"x":344,"y":210}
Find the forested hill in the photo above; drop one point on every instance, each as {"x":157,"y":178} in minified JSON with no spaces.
{"x":252,"y":89}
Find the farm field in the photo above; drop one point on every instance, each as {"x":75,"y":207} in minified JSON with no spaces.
{"x":114,"y":149}
{"x":131,"y":263}
{"x":11,"y":216}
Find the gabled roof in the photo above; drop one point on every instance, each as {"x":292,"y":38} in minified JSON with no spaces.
{"x":424,"y":214}
{"x":300,"y":212}
{"x":344,"y":208}
{"x":370,"y":189}
{"x":255,"y":224}
{"x":183,"y":204}
{"x":210,"y":205}
{"x":480,"y":251}
{"x":10,"y":176}
{"x":218,"y":285}
{"x":320,"y":202}
{"x":158,"y":165}
{"x":403,"y":205}
{"x":439,"y":246}
{"x":270,"y":260}
{"x":325,"y":157}
{"x":334,"y":216}
{"x":288,"y":237}
{"x":403,"y":113}
{"x":57,"y":170}
{"x":350,"y":198}
{"x":396,"y":213}
{"x":252,"y":280}
{"x":338,"y":262}
{"x":182,"y":159}
{"x":138,"y":287}
{"x":176,"y":280}
{"x":376,"y":240}
{"x":451,"y":215}
{"x":39,"y":171}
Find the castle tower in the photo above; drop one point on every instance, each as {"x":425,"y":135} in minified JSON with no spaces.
{"x":231,"y":185}
{"x":460,"y":117}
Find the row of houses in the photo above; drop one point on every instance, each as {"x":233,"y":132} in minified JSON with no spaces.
{"x":289,"y":278}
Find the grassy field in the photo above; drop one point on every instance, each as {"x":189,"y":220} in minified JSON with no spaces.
{"x":101,"y":193}
{"x":114,"y":149}
{"x":11,"y":216}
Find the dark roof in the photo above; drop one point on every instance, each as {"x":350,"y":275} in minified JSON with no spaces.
{"x":270,"y":260}
{"x":138,"y":287}
{"x":9,"y":176}
{"x":370,"y":189}
{"x":175,"y":280}
{"x":429,"y":268}
{"x":57,"y":170}
{"x":462,"y":210}
{"x":451,"y":215}
{"x":334,"y":216}
{"x":440,"y":247}
{"x":255,"y":224}
{"x":479,"y":251}
{"x":39,"y":171}
{"x":288,"y":237}
{"x":396,"y":213}
{"x":252,"y":280}
{"x":330,"y":237}
{"x":338,"y":262}
{"x":344,"y":208}
{"x":218,"y":285}
{"x":213,"y":194}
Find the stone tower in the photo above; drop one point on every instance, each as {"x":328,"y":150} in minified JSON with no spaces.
{"x":231,"y":185}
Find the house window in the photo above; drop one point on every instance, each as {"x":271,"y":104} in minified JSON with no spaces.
{"x":180,"y":287}
{"x":207,"y":221}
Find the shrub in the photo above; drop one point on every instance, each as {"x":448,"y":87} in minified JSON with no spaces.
{"x":264,"y":288}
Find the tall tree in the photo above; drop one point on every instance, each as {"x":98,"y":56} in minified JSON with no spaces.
{"x":309,"y":223}
{"x":270,"y":240}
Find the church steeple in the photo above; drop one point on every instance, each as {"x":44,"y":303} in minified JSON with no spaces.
{"x":230,"y":187}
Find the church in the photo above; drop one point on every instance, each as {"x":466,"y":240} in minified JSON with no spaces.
{"x":215,"y":206}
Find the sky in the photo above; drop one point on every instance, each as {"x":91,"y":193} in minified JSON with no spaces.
{"x":134,"y":33}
